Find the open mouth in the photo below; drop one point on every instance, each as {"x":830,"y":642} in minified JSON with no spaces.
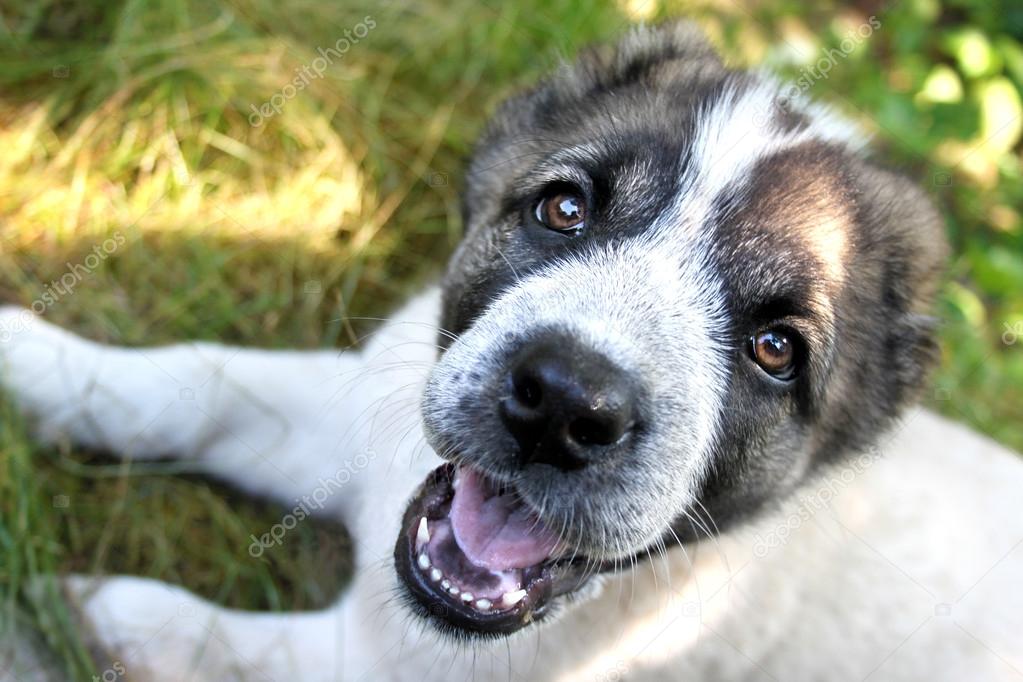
{"x":476,"y":558}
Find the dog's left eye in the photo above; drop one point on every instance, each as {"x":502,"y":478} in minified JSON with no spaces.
{"x":562,"y":212}
{"x":775,"y":351}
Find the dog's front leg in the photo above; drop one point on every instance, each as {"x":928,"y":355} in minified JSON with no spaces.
{"x":148,"y":630}
{"x":283,"y":424}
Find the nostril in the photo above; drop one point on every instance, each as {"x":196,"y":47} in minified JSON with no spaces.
{"x":590,"y":431}
{"x":527,"y":390}
{"x":587,"y":432}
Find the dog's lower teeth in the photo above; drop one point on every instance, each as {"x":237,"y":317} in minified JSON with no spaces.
{"x":513,"y":598}
{"x":426,"y":564}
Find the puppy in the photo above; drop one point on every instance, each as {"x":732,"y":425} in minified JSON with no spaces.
{"x":670,"y":432}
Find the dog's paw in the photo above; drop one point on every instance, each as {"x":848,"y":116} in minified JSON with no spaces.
{"x":156,"y":631}
{"x":25,"y":339}
{"x":15,"y":320}
{"x":150,"y":630}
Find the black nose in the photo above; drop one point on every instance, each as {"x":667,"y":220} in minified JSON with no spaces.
{"x":567,"y":404}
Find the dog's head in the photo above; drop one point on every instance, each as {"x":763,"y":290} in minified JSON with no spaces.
{"x":682,"y":290}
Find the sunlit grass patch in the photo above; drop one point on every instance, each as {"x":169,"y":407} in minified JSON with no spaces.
{"x":132,"y":125}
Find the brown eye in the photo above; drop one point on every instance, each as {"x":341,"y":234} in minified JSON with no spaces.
{"x":564,"y":212}
{"x":775,"y":351}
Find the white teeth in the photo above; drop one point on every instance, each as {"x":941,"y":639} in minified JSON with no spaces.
{"x":513,"y":598}
{"x":509,"y":599}
{"x":423,"y":534}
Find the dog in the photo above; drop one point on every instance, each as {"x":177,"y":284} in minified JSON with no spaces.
{"x":658,"y":421}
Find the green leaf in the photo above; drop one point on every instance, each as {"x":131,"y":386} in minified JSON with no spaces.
{"x":974,"y":53}
{"x":1001,"y":114}
{"x":941,"y":85}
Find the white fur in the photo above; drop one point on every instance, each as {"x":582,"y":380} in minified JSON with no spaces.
{"x":901,"y":567}
{"x":650,"y":311}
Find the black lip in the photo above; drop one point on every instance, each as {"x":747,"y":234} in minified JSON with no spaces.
{"x":544,"y":583}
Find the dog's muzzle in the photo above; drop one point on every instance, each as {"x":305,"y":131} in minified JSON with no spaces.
{"x":472,"y":553}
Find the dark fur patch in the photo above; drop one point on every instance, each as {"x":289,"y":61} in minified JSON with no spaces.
{"x":869,"y":348}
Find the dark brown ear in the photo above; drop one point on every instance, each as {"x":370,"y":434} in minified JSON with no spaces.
{"x":909,"y":235}
{"x":673,"y":50}
{"x":885,"y":313}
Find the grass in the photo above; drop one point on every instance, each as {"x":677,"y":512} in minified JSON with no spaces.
{"x":129,"y":120}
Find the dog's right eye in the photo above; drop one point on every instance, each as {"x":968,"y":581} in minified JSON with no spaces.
{"x":775,"y":350}
{"x":562,"y":212}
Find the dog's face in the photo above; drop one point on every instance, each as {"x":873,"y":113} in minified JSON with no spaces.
{"x":679,"y":294}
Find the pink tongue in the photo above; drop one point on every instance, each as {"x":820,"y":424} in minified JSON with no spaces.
{"x":496,"y":531}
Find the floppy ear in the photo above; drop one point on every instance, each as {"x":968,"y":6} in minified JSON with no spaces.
{"x":885,"y":310}
{"x":908,"y":233}
{"x":675,"y":50}
{"x":916,"y":352}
